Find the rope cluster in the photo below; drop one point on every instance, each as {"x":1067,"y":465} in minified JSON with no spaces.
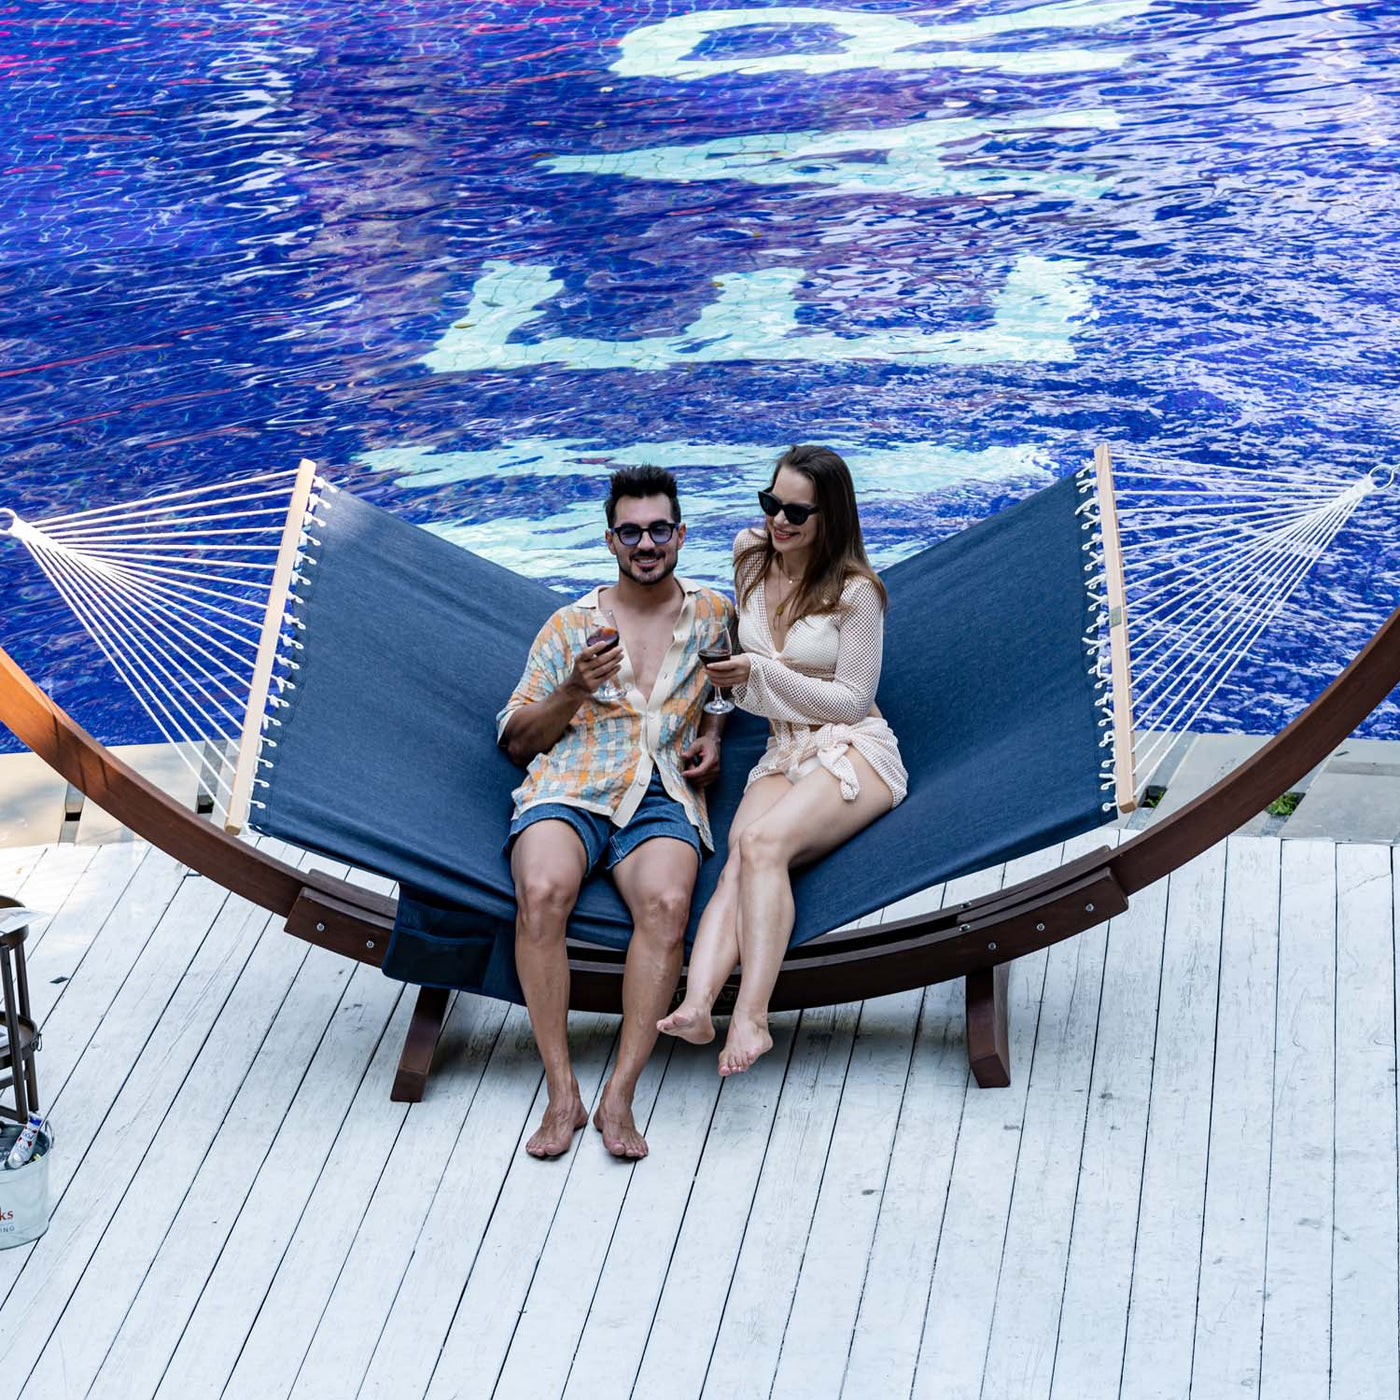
{"x":1096,"y":638}
{"x":290,"y":646}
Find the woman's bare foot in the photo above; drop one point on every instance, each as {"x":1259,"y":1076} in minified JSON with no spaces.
{"x":746,"y":1041}
{"x":690,"y":1023}
{"x":562,"y":1119}
{"x":614,"y":1121}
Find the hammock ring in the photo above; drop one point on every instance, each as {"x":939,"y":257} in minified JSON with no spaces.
{"x":9,"y":522}
{"x":1370,"y":476}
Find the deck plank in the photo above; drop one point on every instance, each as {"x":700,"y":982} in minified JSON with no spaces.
{"x":782,"y":1218}
{"x":1298,"y":1280}
{"x":277,"y":1343}
{"x":883,"y":1352}
{"x":116,"y":1099}
{"x":358,"y":1047}
{"x":1167,"y":1254}
{"x":476,"y":1345}
{"x":70,"y":987}
{"x":614,"y":1336}
{"x":17,"y":863}
{"x":555,"y":1308}
{"x":1021,"y":1352}
{"x":198,"y":1164}
{"x":48,"y":885}
{"x":492,"y":1136}
{"x":240,"y":1210}
{"x":885,"y":1339}
{"x":170,"y":1289}
{"x":832,"y":1261}
{"x":1364,"y":1298}
{"x":161,"y":1172}
{"x":374,"y":1268}
{"x":680,"y":1341}
{"x":1230,"y":1308}
{"x":962,"y":1290}
{"x":1094,"y":1305}
{"x":769,"y":1263}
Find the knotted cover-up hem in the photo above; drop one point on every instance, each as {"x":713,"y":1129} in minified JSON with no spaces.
{"x":795,"y":751}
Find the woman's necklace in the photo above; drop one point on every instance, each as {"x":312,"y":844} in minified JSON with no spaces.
{"x":787,"y":592}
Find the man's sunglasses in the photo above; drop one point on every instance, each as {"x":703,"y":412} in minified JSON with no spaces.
{"x":630,"y":535}
{"x":796,"y":514}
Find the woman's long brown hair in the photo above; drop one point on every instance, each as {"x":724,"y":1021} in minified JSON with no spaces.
{"x":839,"y":551}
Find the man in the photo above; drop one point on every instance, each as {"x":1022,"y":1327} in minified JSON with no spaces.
{"x":617,"y":783}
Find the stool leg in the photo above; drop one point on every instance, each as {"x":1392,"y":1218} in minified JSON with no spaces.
{"x":31,"y":1075}
{"x":17,"y":1058}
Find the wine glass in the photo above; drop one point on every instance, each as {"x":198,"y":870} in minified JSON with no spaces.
{"x":604,"y":629}
{"x":717,"y":646}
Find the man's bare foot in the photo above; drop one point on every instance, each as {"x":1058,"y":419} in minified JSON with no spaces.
{"x":562,"y":1119}
{"x":746,"y":1041}
{"x":690,"y":1023}
{"x":619,"y":1129}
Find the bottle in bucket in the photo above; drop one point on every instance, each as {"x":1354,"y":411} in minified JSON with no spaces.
{"x":23,"y":1150}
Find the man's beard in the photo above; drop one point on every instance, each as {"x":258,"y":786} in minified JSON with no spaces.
{"x":650,"y":580}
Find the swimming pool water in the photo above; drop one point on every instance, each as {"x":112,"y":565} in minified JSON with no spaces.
{"x":471,"y":257}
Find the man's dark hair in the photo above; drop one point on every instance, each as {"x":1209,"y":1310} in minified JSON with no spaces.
{"x":642,"y":481}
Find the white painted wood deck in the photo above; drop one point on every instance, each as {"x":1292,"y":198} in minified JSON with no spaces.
{"x":1189,"y":1190}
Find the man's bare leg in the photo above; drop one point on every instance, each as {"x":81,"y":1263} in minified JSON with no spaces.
{"x":656,"y":881}
{"x":716,"y":949}
{"x":549,"y":863}
{"x":812,"y":819}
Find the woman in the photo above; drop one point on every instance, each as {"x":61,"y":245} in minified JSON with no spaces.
{"x":811,"y":625}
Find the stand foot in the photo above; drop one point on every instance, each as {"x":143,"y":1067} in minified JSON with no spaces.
{"x":988,"y":1039}
{"x":419,"y":1044}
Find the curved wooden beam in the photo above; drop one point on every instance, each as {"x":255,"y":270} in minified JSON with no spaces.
{"x":893,"y":957}
{"x":67,"y":747}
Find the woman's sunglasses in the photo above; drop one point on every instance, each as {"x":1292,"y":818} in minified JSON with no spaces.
{"x":630,"y":535}
{"x":796,"y":514}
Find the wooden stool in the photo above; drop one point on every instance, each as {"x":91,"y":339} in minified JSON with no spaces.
{"x":19,"y":1036}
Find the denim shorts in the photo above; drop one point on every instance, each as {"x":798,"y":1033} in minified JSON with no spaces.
{"x":658,"y":815}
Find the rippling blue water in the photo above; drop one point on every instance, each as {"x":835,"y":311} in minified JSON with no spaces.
{"x":233,"y":234}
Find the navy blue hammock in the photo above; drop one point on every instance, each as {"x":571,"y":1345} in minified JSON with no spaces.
{"x":386,"y":754}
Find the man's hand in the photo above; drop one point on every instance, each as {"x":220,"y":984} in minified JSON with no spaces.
{"x":730,"y":673}
{"x":700,"y":760}
{"x":593,"y":667}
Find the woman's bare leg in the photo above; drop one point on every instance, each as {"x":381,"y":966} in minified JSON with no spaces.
{"x":811,"y":820}
{"x":716,"y":949}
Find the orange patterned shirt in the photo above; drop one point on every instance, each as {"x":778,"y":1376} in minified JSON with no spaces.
{"x":605,"y":759}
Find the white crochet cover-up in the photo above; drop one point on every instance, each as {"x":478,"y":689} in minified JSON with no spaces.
{"x":826,"y":673}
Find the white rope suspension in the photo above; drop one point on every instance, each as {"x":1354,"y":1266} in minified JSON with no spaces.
{"x":144,"y":507}
{"x":1211,"y":564}
{"x":164,"y":598}
{"x":149,"y":652}
{"x":170,"y":729}
{"x":1195,"y":651}
{"x":1216,"y":591}
{"x":1226,"y":631}
{"x":85,"y":529}
{"x":240,"y":662}
{"x":186,"y":594}
{"x":1248,"y":578}
{"x":177,"y":593}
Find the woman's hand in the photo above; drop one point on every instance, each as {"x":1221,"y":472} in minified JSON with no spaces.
{"x":730,"y":673}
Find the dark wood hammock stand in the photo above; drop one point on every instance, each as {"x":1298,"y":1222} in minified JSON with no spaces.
{"x":978,"y":940}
